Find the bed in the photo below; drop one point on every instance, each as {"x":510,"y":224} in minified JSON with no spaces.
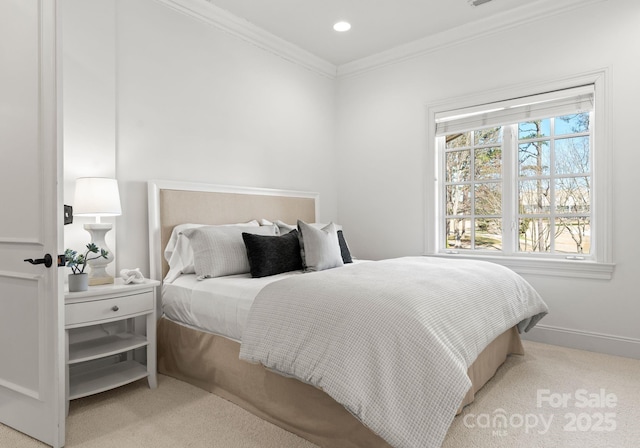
{"x":205,"y":349}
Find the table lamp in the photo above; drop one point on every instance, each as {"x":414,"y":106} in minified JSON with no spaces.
{"x":98,"y":196}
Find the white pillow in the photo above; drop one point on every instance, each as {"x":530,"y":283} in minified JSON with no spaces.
{"x":179,"y":253}
{"x":319,"y":248}
{"x":220,"y":251}
{"x":286,"y":228}
{"x":319,"y":225}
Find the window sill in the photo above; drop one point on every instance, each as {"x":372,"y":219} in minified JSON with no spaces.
{"x":544,"y":267}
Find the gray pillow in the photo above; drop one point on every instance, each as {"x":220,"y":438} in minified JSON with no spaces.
{"x":344,"y":249}
{"x":319,"y":248}
{"x":220,"y":251}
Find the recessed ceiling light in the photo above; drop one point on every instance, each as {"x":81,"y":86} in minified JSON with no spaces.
{"x":342,"y":26}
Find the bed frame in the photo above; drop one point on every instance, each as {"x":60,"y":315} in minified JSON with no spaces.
{"x":211,"y":362}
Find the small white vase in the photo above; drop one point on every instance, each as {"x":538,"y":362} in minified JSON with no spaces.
{"x":78,"y":282}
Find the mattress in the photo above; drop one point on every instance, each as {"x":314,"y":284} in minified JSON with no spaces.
{"x":216,"y":305}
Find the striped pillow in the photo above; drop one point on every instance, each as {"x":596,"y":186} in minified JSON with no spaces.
{"x":220,"y":251}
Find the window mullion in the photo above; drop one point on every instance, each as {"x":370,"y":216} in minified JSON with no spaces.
{"x":509,"y":190}
{"x":552,"y":185}
{"x":441,"y":202}
{"x":472,"y":191}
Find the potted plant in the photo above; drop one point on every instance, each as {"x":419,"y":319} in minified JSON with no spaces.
{"x":78,"y":279}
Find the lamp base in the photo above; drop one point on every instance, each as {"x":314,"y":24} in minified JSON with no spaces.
{"x":95,"y":280}
{"x":98,"y":274}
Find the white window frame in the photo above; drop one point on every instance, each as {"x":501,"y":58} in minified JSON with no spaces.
{"x":600,"y":264}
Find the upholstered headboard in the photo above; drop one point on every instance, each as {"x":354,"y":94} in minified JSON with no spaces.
{"x":172,"y":203}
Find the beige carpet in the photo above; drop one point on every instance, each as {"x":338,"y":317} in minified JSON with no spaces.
{"x":180,"y":415}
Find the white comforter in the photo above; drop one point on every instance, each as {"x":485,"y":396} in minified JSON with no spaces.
{"x":390,"y":340}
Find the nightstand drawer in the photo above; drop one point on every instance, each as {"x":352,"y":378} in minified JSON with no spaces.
{"x":107,"y":309}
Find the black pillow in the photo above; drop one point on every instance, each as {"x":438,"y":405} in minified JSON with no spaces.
{"x":344,"y":249}
{"x":271,"y":255}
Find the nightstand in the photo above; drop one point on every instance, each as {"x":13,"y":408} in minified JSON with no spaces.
{"x":111,"y":337}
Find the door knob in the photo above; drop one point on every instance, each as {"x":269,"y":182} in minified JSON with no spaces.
{"x":47,"y":260}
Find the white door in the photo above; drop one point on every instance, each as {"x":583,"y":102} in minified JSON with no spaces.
{"x":31,"y":299}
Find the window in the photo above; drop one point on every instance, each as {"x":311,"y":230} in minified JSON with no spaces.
{"x":515,"y":182}
{"x":473,"y":190}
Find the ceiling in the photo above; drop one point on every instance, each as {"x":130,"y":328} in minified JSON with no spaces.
{"x":377,"y":25}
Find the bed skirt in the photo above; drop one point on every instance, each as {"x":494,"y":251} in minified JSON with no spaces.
{"x":211,"y":362}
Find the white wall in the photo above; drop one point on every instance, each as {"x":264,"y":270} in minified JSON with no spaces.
{"x":382,"y":153}
{"x":188,"y":102}
{"x":194,"y":103}
{"x":89,"y":104}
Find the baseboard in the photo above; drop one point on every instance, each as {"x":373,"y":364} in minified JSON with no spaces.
{"x":584,"y":340}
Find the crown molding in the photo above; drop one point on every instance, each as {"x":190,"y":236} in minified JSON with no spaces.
{"x":242,"y":29}
{"x":238,"y":27}
{"x":522,"y":15}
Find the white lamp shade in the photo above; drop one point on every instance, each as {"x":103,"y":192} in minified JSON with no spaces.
{"x":97,"y":196}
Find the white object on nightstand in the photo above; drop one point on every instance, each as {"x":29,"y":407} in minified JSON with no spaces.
{"x":110,"y":358}
{"x":131,"y":276}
